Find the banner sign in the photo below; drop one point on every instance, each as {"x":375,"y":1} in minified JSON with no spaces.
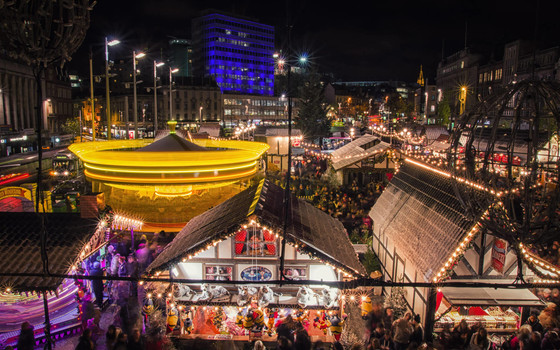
{"x":499,"y":250}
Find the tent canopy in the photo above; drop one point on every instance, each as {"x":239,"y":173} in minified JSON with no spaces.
{"x":490,"y":297}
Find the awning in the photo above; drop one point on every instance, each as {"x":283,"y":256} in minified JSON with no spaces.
{"x":490,"y":297}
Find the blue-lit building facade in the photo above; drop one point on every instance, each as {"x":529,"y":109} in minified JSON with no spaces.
{"x":236,"y":52}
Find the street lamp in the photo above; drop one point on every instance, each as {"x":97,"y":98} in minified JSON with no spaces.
{"x":200,"y":114}
{"x":171,"y":72}
{"x":135,"y":56}
{"x":108,"y":109}
{"x":156,"y":65}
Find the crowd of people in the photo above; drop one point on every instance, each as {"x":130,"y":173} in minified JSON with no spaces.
{"x":348,"y":203}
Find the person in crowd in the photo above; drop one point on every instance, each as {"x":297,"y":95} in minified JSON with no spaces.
{"x":122,"y":342}
{"x":463,"y":329}
{"x":284,"y":343}
{"x":402,"y":330}
{"x":136,"y":342}
{"x":417,"y":336}
{"x":534,"y":342}
{"x":386,"y":341}
{"x":111,"y":336}
{"x":85,"y":342}
{"x":521,"y":338}
{"x":374,"y":344}
{"x":97,"y":284}
{"x":302,"y":340}
{"x":26,"y":339}
{"x":259,"y":345}
{"x":479,"y":340}
{"x":286,"y":328}
{"x":388,"y":318}
{"x":534,"y":322}
{"x":550,"y":341}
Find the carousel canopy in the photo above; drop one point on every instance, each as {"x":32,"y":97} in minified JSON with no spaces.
{"x":171,"y":143}
{"x":422,"y":214}
{"x":357,"y":150}
{"x":20,"y":239}
{"x":320,"y":232}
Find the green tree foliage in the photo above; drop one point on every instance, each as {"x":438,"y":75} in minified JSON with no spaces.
{"x":398,"y":105}
{"x":312,"y":118}
{"x":444,"y":111}
{"x":72,"y":126}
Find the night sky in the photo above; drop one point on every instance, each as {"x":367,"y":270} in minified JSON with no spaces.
{"x":354,"y":40}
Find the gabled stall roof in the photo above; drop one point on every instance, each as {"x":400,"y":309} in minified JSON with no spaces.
{"x":357,"y":150}
{"x":321,"y":233}
{"x":20,"y":240}
{"x":421,"y":213}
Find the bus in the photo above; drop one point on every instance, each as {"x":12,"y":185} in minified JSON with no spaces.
{"x":65,"y":165}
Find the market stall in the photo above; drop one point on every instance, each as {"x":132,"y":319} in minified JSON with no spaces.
{"x":239,"y":240}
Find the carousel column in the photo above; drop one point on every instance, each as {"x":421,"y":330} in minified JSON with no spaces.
{"x":429,"y":315}
{"x":48,"y":345}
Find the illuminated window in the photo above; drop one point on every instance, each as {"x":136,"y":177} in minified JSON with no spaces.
{"x":296,"y":273}
{"x":254,"y":241}
{"x":218,"y":272}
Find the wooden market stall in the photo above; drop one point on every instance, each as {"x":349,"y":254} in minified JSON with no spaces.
{"x":239,"y":240}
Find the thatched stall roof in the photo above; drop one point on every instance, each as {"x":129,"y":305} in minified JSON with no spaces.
{"x":421,"y":212}
{"x":316,"y":232}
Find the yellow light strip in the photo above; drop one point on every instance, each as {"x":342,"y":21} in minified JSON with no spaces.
{"x":167,"y":180}
{"x":538,"y":262}
{"x":168,"y":171}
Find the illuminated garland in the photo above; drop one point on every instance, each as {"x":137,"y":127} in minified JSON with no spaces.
{"x":458,"y":253}
{"x":536,"y":263}
{"x":297,"y":244}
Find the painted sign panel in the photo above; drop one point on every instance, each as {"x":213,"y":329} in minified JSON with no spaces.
{"x":499,"y":250}
{"x":256,"y":273}
{"x":15,"y":192}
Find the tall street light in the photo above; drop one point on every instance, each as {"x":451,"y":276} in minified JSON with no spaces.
{"x":91,"y":92}
{"x":135,"y":56}
{"x":171,"y":72}
{"x":108,"y":109}
{"x":156,"y":65}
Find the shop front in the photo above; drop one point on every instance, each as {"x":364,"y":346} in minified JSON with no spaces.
{"x":238,"y":243}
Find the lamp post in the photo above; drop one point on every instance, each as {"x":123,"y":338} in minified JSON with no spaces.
{"x":171,"y":71}
{"x":91,"y":95}
{"x":156,"y":65}
{"x":135,"y":98}
{"x":200,"y":114}
{"x":108,"y":109}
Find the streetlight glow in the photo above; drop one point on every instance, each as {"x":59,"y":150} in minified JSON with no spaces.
{"x":174,"y":70}
{"x":303,"y":59}
{"x":140,"y":55}
{"x":159,"y":64}
{"x":114,"y":42}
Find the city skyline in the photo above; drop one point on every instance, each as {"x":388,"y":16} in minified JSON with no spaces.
{"x":382,"y":41}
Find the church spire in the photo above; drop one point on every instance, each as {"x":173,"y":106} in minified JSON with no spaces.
{"x":420,"y":80}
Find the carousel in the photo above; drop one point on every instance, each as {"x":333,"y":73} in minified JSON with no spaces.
{"x":169,"y":180}
{"x":238,"y":243}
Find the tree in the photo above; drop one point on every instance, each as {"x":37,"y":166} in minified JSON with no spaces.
{"x":397,"y":105}
{"x":444,"y":111}
{"x":72,"y":126}
{"x":312,"y":119}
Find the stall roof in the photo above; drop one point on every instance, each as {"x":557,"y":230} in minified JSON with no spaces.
{"x":490,"y":297}
{"x":422,"y":212}
{"x":357,"y":150}
{"x":67,"y":233}
{"x":321,"y":233}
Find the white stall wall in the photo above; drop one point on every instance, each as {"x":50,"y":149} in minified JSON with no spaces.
{"x":190,"y":270}
{"x":224,"y":249}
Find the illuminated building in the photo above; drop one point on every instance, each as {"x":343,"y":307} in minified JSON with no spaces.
{"x":171,"y":179}
{"x":256,"y":109}
{"x":236,"y":52}
{"x":180,"y":52}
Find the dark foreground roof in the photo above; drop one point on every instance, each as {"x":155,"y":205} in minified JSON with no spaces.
{"x":20,"y":244}
{"x":171,"y":143}
{"x":321,"y":233}
{"x":421,"y":212}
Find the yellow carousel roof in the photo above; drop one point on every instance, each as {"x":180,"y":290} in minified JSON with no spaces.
{"x":119,"y":162}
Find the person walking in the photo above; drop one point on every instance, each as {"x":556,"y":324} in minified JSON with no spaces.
{"x":86,"y":342}
{"x":402,"y":330}
{"x":26,"y":339}
{"x":97,"y":284}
